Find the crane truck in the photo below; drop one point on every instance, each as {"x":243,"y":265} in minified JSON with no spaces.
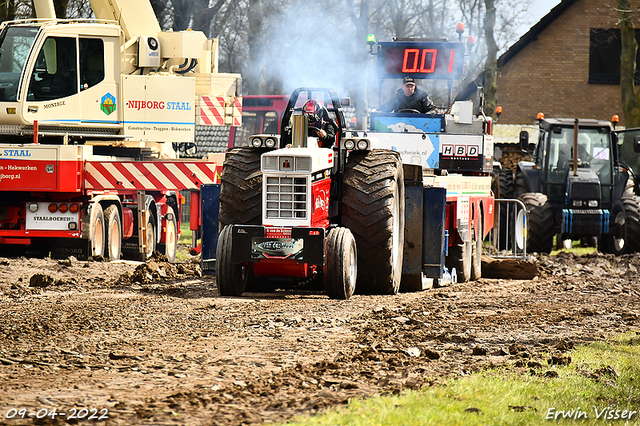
{"x":403,"y":205}
{"x":92,"y":115}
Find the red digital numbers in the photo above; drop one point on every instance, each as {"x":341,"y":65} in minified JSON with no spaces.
{"x":428,"y":60}
{"x":414,"y":60}
{"x":423,"y":61}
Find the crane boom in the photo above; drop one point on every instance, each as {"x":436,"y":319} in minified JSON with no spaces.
{"x":136,"y":17}
{"x":45,"y":9}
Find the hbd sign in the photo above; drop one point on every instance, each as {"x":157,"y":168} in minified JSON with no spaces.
{"x":468,"y":151}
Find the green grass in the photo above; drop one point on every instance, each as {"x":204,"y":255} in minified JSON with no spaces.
{"x":185,"y":234}
{"x":576,"y":247}
{"x":502,"y":397}
{"x":182,"y":255}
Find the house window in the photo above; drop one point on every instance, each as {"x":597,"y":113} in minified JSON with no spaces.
{"x":604,"y":56}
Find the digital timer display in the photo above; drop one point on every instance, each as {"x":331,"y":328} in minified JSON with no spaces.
{"x":437,"y":60}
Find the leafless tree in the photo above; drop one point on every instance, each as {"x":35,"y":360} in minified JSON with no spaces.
{"x":630,"y":99}
{"x":8,"y":10}
{"x":491,"y":64}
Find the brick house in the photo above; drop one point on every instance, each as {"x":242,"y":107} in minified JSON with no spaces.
{"x":564,"y":66}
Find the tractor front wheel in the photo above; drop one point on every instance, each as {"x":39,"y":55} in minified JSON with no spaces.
{"x":341,"y":271}
{"x":540,"y":222}
{"x":229,"y":275}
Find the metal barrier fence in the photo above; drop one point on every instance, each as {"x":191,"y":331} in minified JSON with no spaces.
{"x":186,"y":211}
{"x":508,"y":238}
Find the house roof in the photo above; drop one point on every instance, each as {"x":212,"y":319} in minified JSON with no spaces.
{"x":507,"y":134}
{"x":530,"y":36}
{"x":534,"y":31}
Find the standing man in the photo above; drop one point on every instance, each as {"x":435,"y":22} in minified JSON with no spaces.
{"x":408,"y":97}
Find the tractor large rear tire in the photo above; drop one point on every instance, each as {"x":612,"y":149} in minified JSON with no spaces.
{"x":626,"y":217}
{"x":229,"y":276}
{"x":507,"y":187}
{"x":241,"y":189}
{"x":340,"y":278}
{"x":540,"y":222}
{"x":373,"y":209}
{"x":521,"y":186}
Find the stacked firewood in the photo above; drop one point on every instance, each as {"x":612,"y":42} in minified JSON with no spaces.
{"x":510,"y":159}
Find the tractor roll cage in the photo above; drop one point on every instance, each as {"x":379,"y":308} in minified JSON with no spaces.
{"x":329,"y":100}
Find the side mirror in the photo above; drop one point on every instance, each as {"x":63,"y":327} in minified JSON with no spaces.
{"x":345,"y":101}
{"x":636,"y":143}
{"x":524,"y":140}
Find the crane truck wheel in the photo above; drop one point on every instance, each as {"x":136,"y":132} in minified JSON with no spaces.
{"x":626,"y":219}
{"x":229,"y":276}
{"x":373,"y":209}
{"x":96,"y":230}
{"x":506,"y":190}
{"x":476,"y":256}
{"x":170,"y":247}
{"x":539,"y":223}
{"x":113,"y":243}
{"x":241,"y":189}
{"x":341,"y":270}
{"x":152,"y":232}
{"x":461,"y":258}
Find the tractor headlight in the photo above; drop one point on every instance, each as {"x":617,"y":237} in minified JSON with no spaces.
{"x":270,"y":142}
{"x":269,"y":163}
{"x":577,"y":203}
{"x":363,"y":144}
{"x":593,"y":203}
{"x":33,"y":207}
{"x":256,"y":142}
{"x":349,"y":144}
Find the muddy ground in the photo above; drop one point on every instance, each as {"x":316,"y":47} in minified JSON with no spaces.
{"x":154,"y":343}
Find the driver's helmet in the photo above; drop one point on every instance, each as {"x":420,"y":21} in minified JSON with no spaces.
{"x":312,"y":110}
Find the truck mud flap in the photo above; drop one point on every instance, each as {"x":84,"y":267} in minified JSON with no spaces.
{"x":62,"y":248}
{"x":210,"y":208}
{"x":425,"y":241}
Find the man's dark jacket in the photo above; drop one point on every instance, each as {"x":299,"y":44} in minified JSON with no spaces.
{"x":419,"y":101}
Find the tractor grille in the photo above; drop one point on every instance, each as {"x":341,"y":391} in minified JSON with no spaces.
{"x":286,"y":197}
{"x":586,"y":191}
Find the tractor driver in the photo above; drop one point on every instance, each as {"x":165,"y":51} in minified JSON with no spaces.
{"x":320,"y":124}
{"x":408,"y":97}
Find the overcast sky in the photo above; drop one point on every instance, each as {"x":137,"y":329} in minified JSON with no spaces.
{"x":539,"y":8}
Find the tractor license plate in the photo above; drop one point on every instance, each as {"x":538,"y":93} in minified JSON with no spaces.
{"x":276,"y":248}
